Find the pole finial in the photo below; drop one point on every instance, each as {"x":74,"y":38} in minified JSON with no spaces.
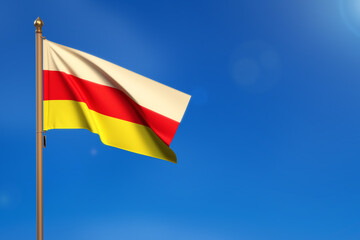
{"x":38,"y":25}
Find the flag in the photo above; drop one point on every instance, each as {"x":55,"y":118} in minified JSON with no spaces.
{"x":125,"y":109}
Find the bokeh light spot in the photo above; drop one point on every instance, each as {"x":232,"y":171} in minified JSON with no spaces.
{"x":256,"y":66}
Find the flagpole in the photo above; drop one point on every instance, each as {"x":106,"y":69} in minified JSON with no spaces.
{"x":39,"y":134}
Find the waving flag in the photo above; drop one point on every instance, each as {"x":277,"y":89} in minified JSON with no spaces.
{"x":127,"y":110}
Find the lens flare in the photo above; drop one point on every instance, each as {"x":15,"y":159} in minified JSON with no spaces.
{"x":350,"y":13}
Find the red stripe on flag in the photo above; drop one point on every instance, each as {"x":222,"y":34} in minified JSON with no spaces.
{"x":106,"y":100}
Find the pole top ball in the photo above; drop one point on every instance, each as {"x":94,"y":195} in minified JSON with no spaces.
{"x":38,"y":25}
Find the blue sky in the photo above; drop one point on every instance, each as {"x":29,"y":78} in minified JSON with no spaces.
{"x":268,"y":148}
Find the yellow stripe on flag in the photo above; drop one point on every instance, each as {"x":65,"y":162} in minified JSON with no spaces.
{"x":68,"y":114}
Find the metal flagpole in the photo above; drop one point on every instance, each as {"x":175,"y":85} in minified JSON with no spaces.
{"x":39,"y":134}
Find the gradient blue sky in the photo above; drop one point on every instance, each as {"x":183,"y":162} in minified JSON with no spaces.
{"x":268,"y":148}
